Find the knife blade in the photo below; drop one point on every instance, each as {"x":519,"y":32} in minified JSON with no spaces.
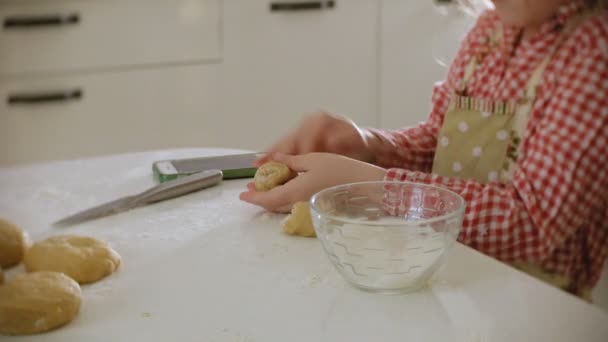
{"x":165,"y":191}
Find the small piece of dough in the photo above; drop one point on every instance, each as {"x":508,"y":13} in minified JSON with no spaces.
{"x":13,"y":243}
{"x":84,"y":259}
{"x":271,"y":175}
{"x":33,"y":303}
{"x":299,"y":222}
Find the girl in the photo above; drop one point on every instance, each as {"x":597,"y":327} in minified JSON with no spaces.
{"x":519,"y":129}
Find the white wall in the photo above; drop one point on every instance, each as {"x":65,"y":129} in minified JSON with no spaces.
{"x":408,"y":68}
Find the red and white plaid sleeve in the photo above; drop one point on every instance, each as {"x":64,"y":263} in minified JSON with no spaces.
{"x":558,"y":197}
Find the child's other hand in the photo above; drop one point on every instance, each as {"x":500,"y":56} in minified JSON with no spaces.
{"x":318,"y":171}
{"x":323,"y":132}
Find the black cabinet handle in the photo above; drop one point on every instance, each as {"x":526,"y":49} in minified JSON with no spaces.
{"x":301,"y":6}
{"x":40,"y":21}
{"x":45,"y":97}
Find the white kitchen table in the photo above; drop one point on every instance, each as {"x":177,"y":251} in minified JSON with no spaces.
{"x":207,"y":267}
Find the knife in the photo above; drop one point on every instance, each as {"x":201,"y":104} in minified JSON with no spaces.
{"x":164,"y":191}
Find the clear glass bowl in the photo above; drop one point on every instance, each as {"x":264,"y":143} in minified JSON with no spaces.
{"x":387,"y":237}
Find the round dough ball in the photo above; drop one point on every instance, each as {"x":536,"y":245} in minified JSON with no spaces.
{"x":32,"y":303}
{"x":84,"y":259}
{"x":299,"y":222}
{"x":13,"y":243}
{"x":272,"y":174}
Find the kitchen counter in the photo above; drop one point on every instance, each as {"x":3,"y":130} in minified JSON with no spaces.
{"x":207,"y":267}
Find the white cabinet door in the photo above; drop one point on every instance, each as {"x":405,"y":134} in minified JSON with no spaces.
{"x":280,"y":65}
{"x":59,"y":35}
{"x":276,"y":67}
{"x":409,"y":68}
{"x":85,"y":115}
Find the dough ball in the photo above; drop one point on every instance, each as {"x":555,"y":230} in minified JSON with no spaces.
{"x":13,"y":243}
{"x":32,"y":303}
{"x":271,"y":175}
{"x":84,"y":259}
{"x":299,"y":222}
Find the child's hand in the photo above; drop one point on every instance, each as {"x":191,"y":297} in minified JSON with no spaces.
{"x":323,"y":132}
{"x":318,"y":171}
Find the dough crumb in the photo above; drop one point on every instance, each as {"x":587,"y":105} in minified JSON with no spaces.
{"x":299,"y":222}
{"x":314,"y":280}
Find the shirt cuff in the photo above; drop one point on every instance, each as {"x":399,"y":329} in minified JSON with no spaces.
{"x":402,"y":175}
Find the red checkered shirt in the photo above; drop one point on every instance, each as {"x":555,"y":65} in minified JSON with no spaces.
{"x":554,"y":211}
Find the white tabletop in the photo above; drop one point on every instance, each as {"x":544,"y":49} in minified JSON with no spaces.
{"x":207,"y":267}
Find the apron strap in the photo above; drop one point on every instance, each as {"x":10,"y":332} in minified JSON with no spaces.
{"x":536,"y":79}
{"x":494,"y":39}
{"x":468,"y":73}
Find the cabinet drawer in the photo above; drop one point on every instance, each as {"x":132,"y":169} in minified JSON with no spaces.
{"x":113,"y":113}
{"x":42,"y":36}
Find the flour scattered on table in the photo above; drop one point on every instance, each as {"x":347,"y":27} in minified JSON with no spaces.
{"x":314,"y":280}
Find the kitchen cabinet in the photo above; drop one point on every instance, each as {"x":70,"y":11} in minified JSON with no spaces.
{"x":85,"y":78}
{"x":114,"y":112}
{"x":63,"y":35}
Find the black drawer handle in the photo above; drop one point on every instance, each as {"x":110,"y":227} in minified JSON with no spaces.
{"x":45,"y":97}
{"x":39,"y":21}
{"x":301,"y":6}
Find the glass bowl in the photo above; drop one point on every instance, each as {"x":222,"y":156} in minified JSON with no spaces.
{"x":387,"y":237}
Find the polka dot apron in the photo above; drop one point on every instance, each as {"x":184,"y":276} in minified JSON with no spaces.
{"x":481,"y":139}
